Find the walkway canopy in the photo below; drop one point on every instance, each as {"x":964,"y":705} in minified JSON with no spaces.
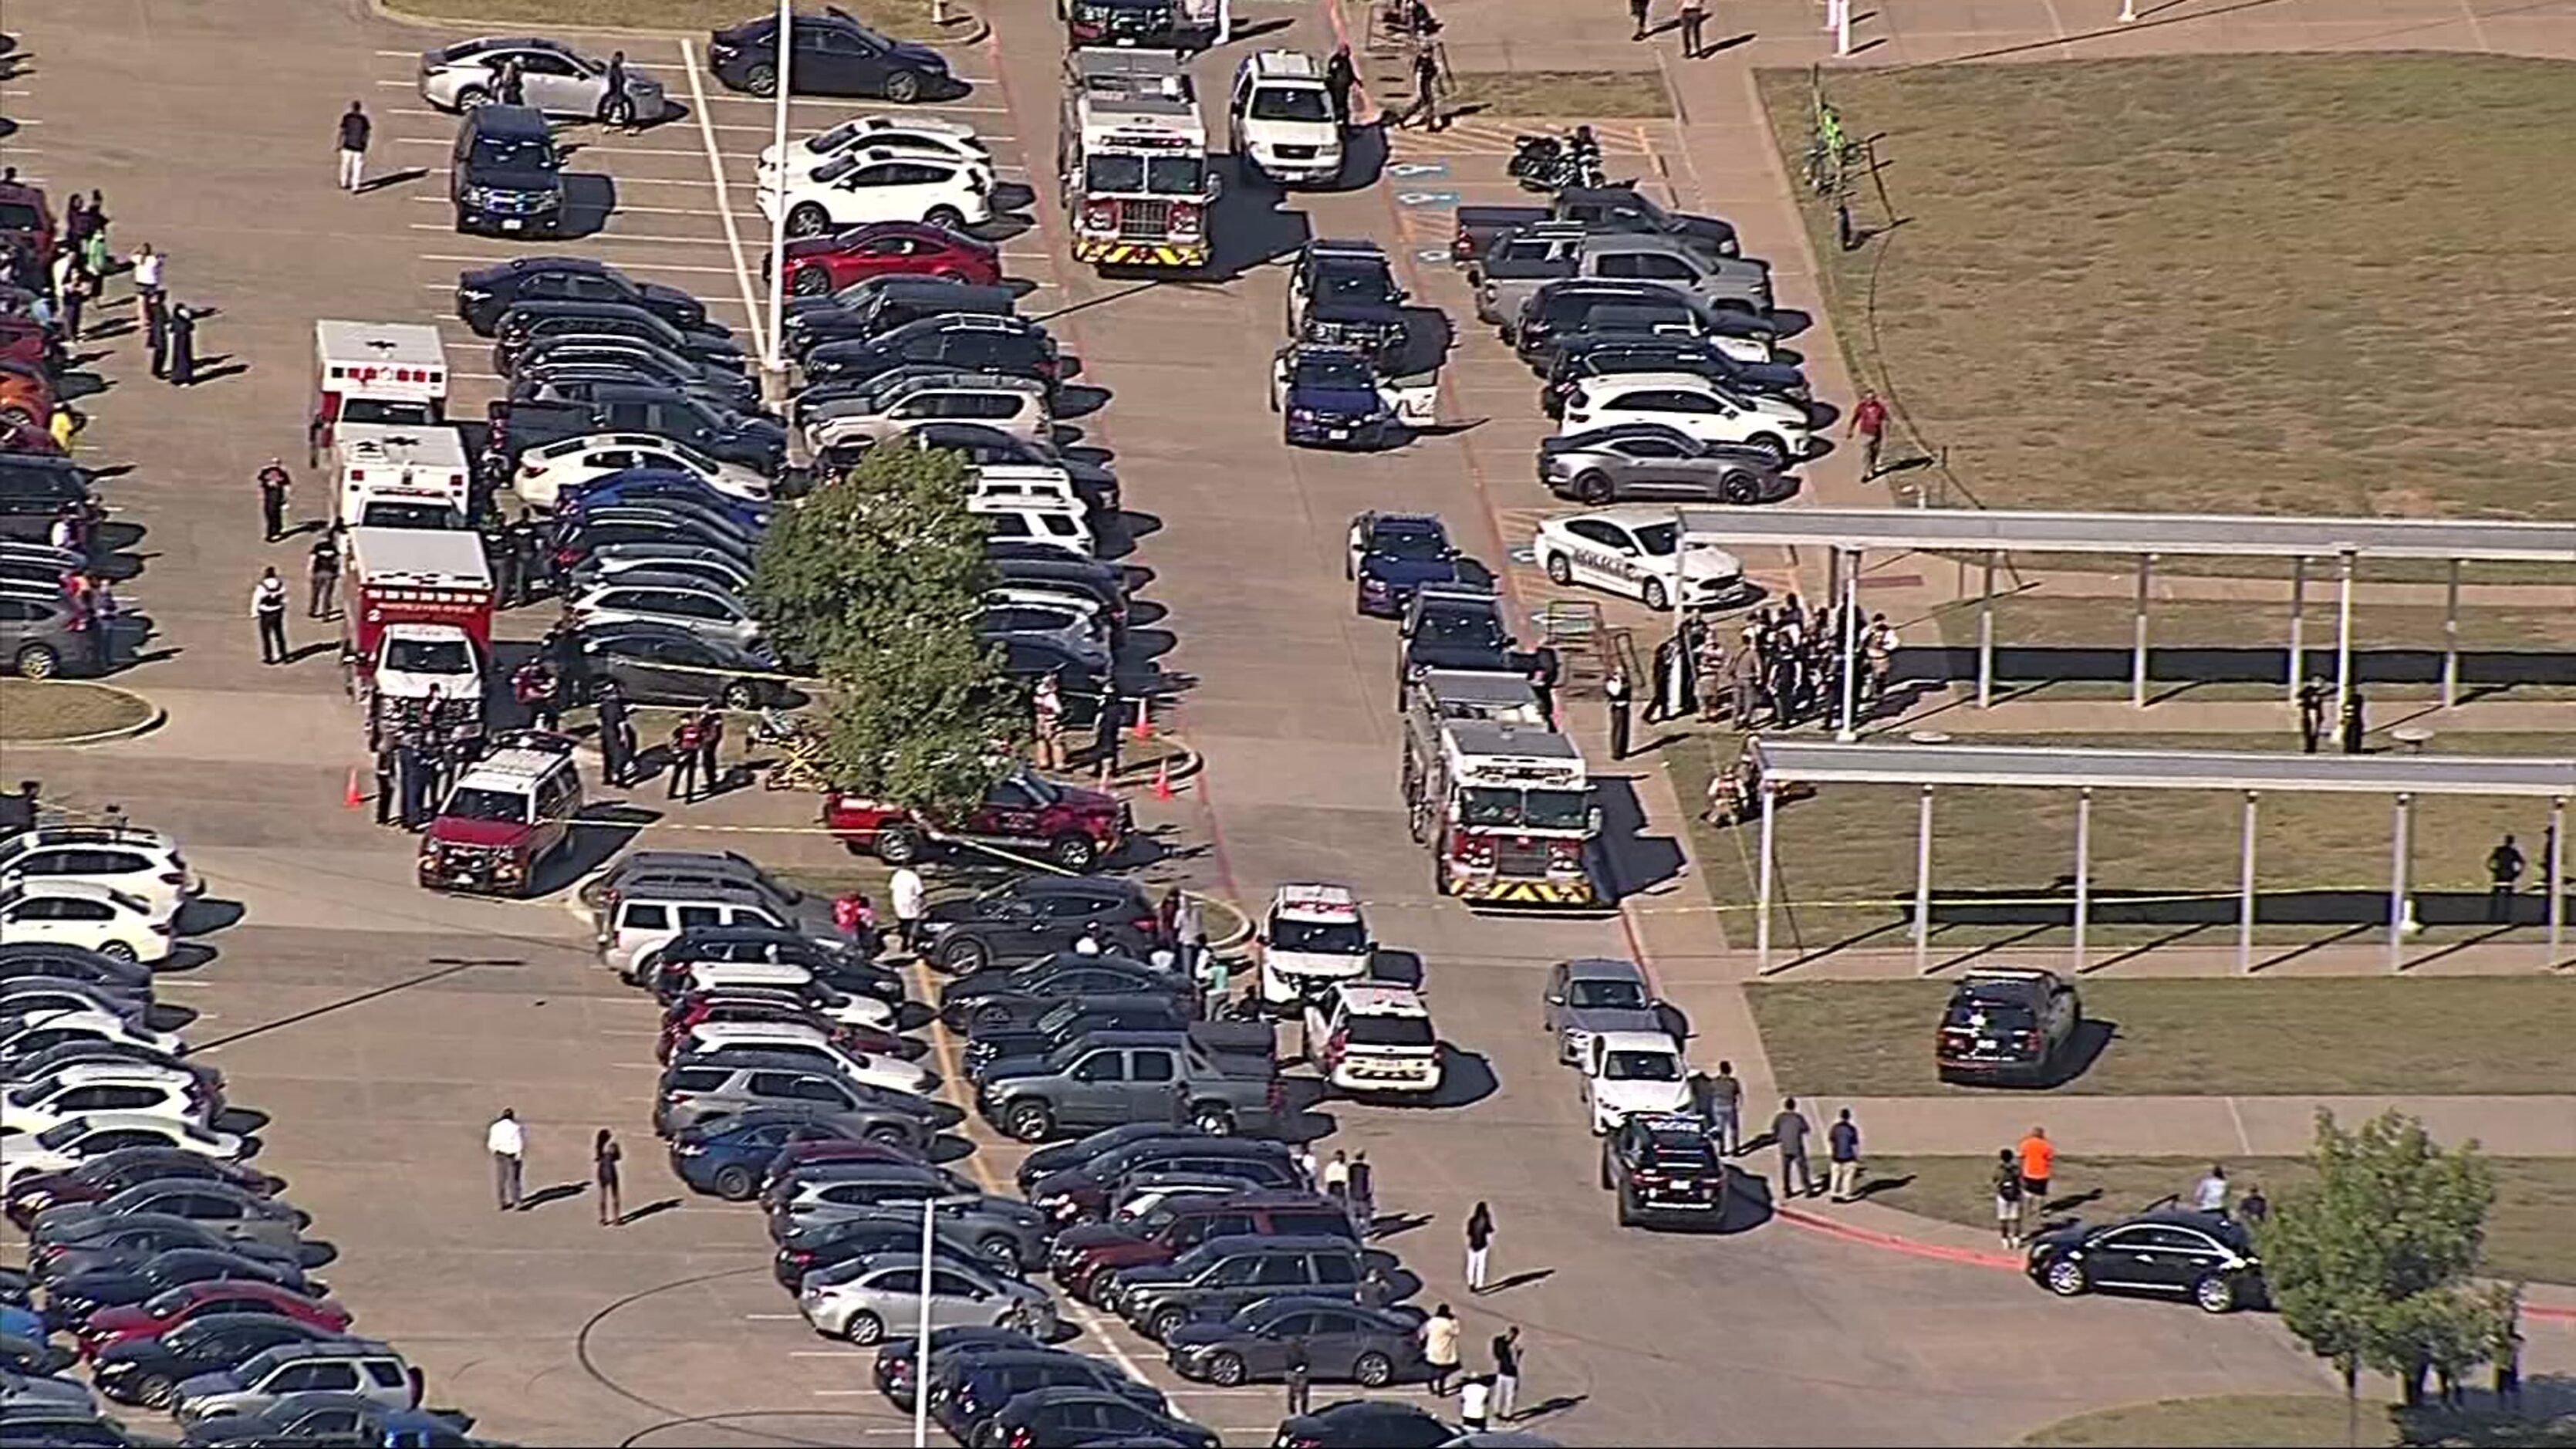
{"x":1929,"y":766}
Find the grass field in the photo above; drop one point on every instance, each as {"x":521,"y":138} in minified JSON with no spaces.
{"x":2203,"y":1036}
{"x":2288,"y":1421}
{"x":61,"y":709}
{"x":896,"y":17}
{"x":2002,"y":859}
{"x":1582,"y":95}
{"x":2330,"y":282}
{"x":2531,"y":1232}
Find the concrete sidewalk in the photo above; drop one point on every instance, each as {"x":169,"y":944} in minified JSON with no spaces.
{"x":2212,"y":1127}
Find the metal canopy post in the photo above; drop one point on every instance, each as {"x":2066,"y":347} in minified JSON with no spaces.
{"x":2138,"y":634}
{"x":2451,"y":638}
{"x":2245,"y":890}
{"x":2554,"y":876}
{"x":2298,"y":627}
{"x":2399,"y":843}
{"x":1762,"y":888}
{"x":2343,"y":640}
{"x":1986,"y":636}
{"x":2083,"y":868}
{"x":1849,"y":605}
{"x":1923,"y":882}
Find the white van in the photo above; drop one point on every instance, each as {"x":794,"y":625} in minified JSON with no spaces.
{"x":1281,"y":118}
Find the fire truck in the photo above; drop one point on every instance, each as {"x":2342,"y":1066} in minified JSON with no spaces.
{"x":1502,"y":801}
{"x":1132,"y":160}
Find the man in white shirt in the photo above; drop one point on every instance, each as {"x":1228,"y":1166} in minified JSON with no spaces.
{"x":2211,"y":1195}
{"x":1472,"y":1398}
{"x":907,"y":892}
{"x":509,"y":1147}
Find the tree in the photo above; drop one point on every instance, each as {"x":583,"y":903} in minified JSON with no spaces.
{"x":2370,"y":1265}
{"x":875,"y":583}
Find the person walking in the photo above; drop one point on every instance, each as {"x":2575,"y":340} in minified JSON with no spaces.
{"x":274,"y":486}
{"x":1427,"y":80}
{"x":2505,"y":1353}
{"x":1842,"y":1149}
{"x":614,"y":107}
{"x":385,"y":765}
{"x":322,"y":576}
{"x":2008,"y":1199}
{"x":1507,"y":1373}
{"x":1339,"y":76}
{"x":2210,"y":1196}
{"x":2312,"y":714}
{"x":64,"y":426}
{"x":1480,"y":1245}
{"x":1545,"y":668}
{"x":1878,"y":645}
{"x":1475,"y":1397}
{"x":2355,"y":723}
{"x":1298,"y":1369}
{"x":616,"y":734}
{"x":268,"y":610}
{"x":509,"y":1148}
{"x":355,"y":131}
{"x":1614,"y":688}
{"x":2038,"y":1157}
{"x":1869,"y":420}
{"x":1048,"y":706}
{"x":1440,"y":1348}
{"x":846,"y":910}
{"x":514,"y":82}
{"x":905,"y":890}
{"x":684,"y":761}
{"x":1694,"y":28}
{"x":1789,"y":1133}
{"x":1726,"y":1110}
{"x":1363,"y":1196}
{"x":2504,"y":873}
{"x":183,"y":344}
{"x":605,"y":1154}
{"x":1638,"y":11}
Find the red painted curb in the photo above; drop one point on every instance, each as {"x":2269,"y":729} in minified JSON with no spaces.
{"x":1832,"y":1229}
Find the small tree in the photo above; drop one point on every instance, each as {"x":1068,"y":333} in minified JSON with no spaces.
{"x":2369,"y":1266}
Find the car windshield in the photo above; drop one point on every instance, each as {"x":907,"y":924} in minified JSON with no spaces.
{"x":1414,"y":545}
{"x":1533,"y":809}
{"x":513,"y":153}
{"x":1460,"y":626}
{"x":1642,"y":1067}
{"x":1343,"y":374}
{"x":1992,"y":1016}
{"x":1350,"y":282}
{"x":1117,"y":174}
{"x":1389,"y":1031}
{"x":1340,"y":938}
{"x":1291,"y":103}
{"x":429,"y":656}
{"x":471,"y":803}
{"x":56,"y":1138}
{"x":17,"y":216}
{"x":1607,"y":995}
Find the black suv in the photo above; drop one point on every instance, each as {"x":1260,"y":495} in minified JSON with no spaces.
{"x":505,"y":174}
{"x":1021,"y":920}
{"x":484,"y":294}
{"x":2007,"y":1024}
{"x":36,"y":491}
{"x":2206,"y":1257}
{"x":1665,"y":1171}
{"x":1221,"y":1275}
{"x":1451,"y":626}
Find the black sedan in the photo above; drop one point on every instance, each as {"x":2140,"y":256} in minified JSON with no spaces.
{"x":1058,"y":1157}
{"x":1601,"y":354}
{"x":72,"y":1300}
{"x":830,"y":54}
{"x":1073,"y":1414}
{"x":823,"y":1242}
{"x":483,"y":295}
{"x":667,"y":664}
{"x":2176,"y":1252}
{"x":1003,"y":346}
{"x":1002,"y":999}
{"x":1392,"y":554}
{"x":1652,"y":461}
{"x":1365,"y":1424}
{"x":1345,"y":1343}
{"x":98,"y":1178}
{"x":894,"y":1361}
{"x":1038,"y":915}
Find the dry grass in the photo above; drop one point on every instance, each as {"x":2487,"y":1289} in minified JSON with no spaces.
{"x":2280,"y":284}
{"x":2226,"y":1421}
{"x":56,"y":709}
{"x":910,"y":18}
{"x":1568,"y":95}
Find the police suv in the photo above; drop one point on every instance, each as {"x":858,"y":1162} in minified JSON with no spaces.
{"x":1313,"y":939}
{"x":1369,"y":1037}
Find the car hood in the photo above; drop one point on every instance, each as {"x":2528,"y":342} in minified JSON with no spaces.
{"x":1644,"y":1096}
{"x":1409,"y":572}
{"x":1318,"y":963}
{"x":454,"y":830}
{"x":1006,"y":1070}
{"x":199,"y":1385}
{"x":1339,"y":401}
{"x":1201,"y":1335}
{"x":517,"y":178}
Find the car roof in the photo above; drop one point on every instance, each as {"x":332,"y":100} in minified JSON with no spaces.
{"x":1637,"y":1041}
{"x":1604,"y":968}
{"x":1691,"y":381}
{"x":515,"y":121}
{"x":1378,"y":998}
{"x":58,"y":835}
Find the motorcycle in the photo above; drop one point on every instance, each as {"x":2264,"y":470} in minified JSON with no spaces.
{"x":1547,"y":164}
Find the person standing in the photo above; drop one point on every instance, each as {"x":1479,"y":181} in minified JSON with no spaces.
{"x":1475,"y":1396}
{"x":614,"y":107}
{"x":514,"y":82}
{"x":1694,"y":28}
{"x":2504,"y":873}
{"x":616,"y":734}
{"x":1104,"y":731}
{"x":1545,"y":669}
{"x":1638,"y":11}
{"x":1339,"y":76}
{"x":2211,"y":1194}
{"x":274,"y":486}
{"x":905,"y":890}
{"x":2312,"y":714}
{"x":1507,"y":1373}
{"x":1297,"y":1370}
{"x":411,"y":770}
{"x":1048,"y":705}
{"x":2038,"y":1157}
{"x":684,"y":761}
{"x":2008,"y":1199}
{"x":1659,"y":700}
{"x":1726,"y":1110}
{"x":1614,"y":688}
{"x":385,"y":765}
{"x":355,"y":129}
{"x":1480,"y":1245}
{"x":1878,"y":646}
{"x":509,"y":1148}
{"x":2355,"y":724}
{"x":605,"y":1154}
{"x":710,"y":747}
{"x":846,"y":909}
{"x":1842,"y":1148}
{"x":268,"y":610}
{"x":156,"y":334}
{"x":1363,"y":1197}
{"x":545,"y":700}
{"x":2253,"y":1207}
{"x":1789,"y":1133}
{"x":64,"y":426}
{"x":1869,"y":420}
{"x":1440,"y":1347}
{"x":183,"y":344}
{"x":323,"y":576}
{"x":1337,"y":1181}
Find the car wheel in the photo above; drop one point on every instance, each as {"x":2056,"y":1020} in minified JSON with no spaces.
{"x":741,"y":695}
{"x":472,"y":97}
{"x":898,"y":846}
{"x":736,"y":1184}
{"x":863,"y":1328}
{"x":1772,"y":444}
{"x":1655,"y":595}
{"x":1559,"y":572}
{"x":1160,"y":1326}
{"x":116,"y":951}
{"x":1030,"y":1121}
{"x":888,"y":1133}
{"x":964,"y":957}
{"x":1076,"y":853}
{"x":903,"y":87}
{"x":2067,"y":1279}
{"x":156,"y":1391}
{"x":946,"y":218}
{"x":1225,"y":1370}
{"x":2215,"y":1294}
{"x":1739,"y":488}
{"x":1627,"y":1208}
{"x":1373,"y":1370}
{"x":1594,"y":488}
{"x":1213,"y":1120}
{"x":38,"y":661}
{"x":1005,"y":1255}
{"x":808,"y":219}
{"x":761,"y":79}
{"x":809,"y":282}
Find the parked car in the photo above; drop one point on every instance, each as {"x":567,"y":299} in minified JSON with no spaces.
{"x":1639,"y":550}
{"x":1085,"y":1257}
{"x":40,"y":637}
{"x":694,"y":1095}
{"x":1344,"y":1342}
{"x":1073,"y":1414}
{"x":148,"y":1371}
{"x":969,"y":1389}
{"x":727,"y":1157}
{"x":485,"y":294}
{"x":1654,"y":460}
{"x":654,"y":661}
{"x":1221,"y":1276}
{"x":237,"y":1214}
{"x":830,"y":54}
{"x":159,"y":1315}
{"x":1038,"y":915}
{"x":881,"y":183}
{"x":96,"y":1179}
{"x":897,"y":1358}
{"x":865,"y":1299}
{"x":504,"y":173}
{"x":820,"y":265}
{"x":555,"y":79}
{"x":1590,"y":995}
{"x":1006,"y":1232}
{"x":821,"y":1243}
{"x":142,"y":863}
{"x":360,"y":1367}
{"x":1074,"y":827}
{"x":1366,"y":1424}
{"x":2208,"y":1258}
{"x":2007,"y":1024}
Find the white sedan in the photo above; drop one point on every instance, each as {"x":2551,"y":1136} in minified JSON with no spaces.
{"x":69,"y":1143}
{"x":793,"y":1039}
{"x":71,"y":912}
{"x":902,"y":133}
{"x":1707,"y":410}
{"x":544,"y":473}
{"x":702,"y":609}
{"x":878,"y":184}
{"x":142,"y":863}
{"x":1629,"y":550}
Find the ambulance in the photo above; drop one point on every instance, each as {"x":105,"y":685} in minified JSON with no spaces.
{"x":1313,"y":940}
{"x":376,"y":372}
{"x":396,"y":475}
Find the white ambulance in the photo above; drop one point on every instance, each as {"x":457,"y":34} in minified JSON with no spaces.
{"x":395,"y":475}
{"x":376,"y":372}
{"x":1313,"y":939}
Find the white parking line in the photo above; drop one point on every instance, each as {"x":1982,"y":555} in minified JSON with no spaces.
{"x":724,"y":205}
{"x":629,"y":238}
{"x":621,"y":209}
{"x":775,"y":1317}
{"x":649,"y":267}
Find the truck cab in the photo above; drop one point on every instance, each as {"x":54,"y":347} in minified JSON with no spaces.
{"x":1280,"y":119}
{"x":391,"y":373}
{"x":1313,"y":939}
{"x":504,"y":818}
{"x":1371,"y":1037}
{"x":393,"y":476}
{"x":1131,"y":152}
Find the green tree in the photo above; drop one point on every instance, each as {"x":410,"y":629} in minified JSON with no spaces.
{"x":874,"y":583}
{"x":2370,"y":1265}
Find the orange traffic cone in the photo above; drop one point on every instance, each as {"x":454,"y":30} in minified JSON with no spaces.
{"x":1144,"y":721}
{"x":1163,"y":780}
{"x":353,"y":800}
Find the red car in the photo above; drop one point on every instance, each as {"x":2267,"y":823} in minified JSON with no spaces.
{"x":22,"y":341}
{"x":1024,"y":812}
{"x":820,"y":264}
{"x":27,"y":221}
{"x":689,"y":1011}
{"x":158,"y":1315}
{"x":27,"y":438}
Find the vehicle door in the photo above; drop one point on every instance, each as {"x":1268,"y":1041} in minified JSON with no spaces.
{"x":1011,"y":812}
{"x":557,"y":84}
{"x":1659,"y":467}
{"x":956,"y":1300}
{"x":822,"y":62}
{"x":2133,"y":1257}
{"x":1275,"y":1273}
{"x":1335,"y":1339}
{"x":1189,"y":1232}
{"x":2183,"y":1257}
{"x":1605,"y":554}
{"x":875,"y":192}
{"x":1107,"y":1095}
{"x":857,"y":59}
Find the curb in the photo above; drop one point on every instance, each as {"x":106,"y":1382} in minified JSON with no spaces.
{"x":1189,"y":763}
{"x":153,"y":721}
{"x":982,"y":28}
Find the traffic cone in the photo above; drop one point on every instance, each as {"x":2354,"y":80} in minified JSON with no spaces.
{"x":1163,"y":780}
{"x":1144,"y":720}
{"x":353,"y":800}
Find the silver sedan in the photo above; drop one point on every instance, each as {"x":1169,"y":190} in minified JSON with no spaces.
{"x":866,"y":1299}
{"x":553,"y":78}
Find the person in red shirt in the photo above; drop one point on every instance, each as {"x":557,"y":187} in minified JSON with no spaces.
{"x":1869,"y":419}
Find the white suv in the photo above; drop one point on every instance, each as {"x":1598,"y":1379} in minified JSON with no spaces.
{"x":787,"y":1038}
{"x":143,"y":863}
{"x":544,"y":473}
{"x":66,"y":911}
{"x":872,"y":183}
{"x":1281,"y":118}
{"x":1627,"y":1072}
{"x":1693,"y":404}
{"x":1369,"y":1036}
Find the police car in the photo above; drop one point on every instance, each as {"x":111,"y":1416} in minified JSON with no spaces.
{"x":1664,"y":1170}
{"x":1629,"y":550}
{"x":1313,"y":939}
{"x":1368,"y":1037}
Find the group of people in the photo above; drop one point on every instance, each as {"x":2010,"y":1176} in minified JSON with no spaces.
{"x":507,"y":1141}
{"x":421,"y":745}
{"x":1484,"y":1400}
{"x":1785,"y":670}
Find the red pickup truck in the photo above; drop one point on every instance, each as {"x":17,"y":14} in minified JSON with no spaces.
{"x":1023,"y":812}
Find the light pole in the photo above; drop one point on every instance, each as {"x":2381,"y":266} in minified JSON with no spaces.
{"x":930,"y":1207}
{"x":776,"y":362}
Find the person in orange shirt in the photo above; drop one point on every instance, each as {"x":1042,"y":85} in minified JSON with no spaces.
{"x":2038,"y":1157}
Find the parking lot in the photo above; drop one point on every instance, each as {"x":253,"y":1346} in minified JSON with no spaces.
{"x":380,"y":1027}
